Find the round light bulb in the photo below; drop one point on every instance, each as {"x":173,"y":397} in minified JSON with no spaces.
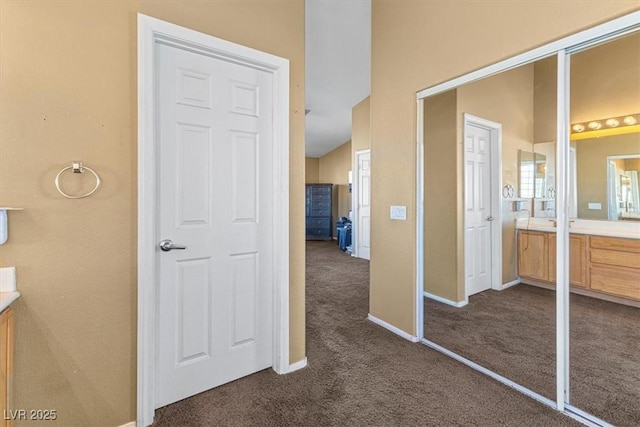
{"x":594,"y":125}
{"x":630,"y":120}
{"x":612,"y":123}
{"x":578,"y":127}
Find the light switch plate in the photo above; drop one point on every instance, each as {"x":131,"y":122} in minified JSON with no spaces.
{"x":398,"y":212}
{"x":595,"y":206}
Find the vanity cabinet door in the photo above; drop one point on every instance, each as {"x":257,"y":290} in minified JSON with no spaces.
{"x":577,"y":260}
{"x":6,"y":363}
{"x":533,"y":255}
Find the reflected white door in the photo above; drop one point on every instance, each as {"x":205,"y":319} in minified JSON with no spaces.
{"x":215,"y":319}
{"x":363,"y":225}
{"x":478,"y":215}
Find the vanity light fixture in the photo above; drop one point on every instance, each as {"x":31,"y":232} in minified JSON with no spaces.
{"x":630,"y":120}
{"x":594,"y":125}
{"x":605,"y":127}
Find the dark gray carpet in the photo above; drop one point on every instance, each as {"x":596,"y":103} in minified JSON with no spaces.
{"x":512,"y":332}
{"x":359,"y":374}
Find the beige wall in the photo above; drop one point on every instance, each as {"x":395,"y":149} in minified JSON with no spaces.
{"x":440,"y":189}
{"x":604,"y":80}
{"x":361,"y":125}
{"x":311,"y":170}
{"x":334,"y":169}
{"x":415,"y":45}
{"x":68,"y":85}
{"x":591,"y":160}
{"x":545,"y":89}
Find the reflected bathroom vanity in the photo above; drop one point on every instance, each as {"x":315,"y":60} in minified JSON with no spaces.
{"x":603,"y":258}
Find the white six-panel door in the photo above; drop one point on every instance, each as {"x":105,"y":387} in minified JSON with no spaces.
{"x":363,"y":224}
{"x":478,"y":215}
{"x":215,"y":299}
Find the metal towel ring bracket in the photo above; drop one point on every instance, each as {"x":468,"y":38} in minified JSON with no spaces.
{"x":77,"y":167}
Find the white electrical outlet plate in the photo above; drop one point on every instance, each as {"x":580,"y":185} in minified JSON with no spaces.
{"x":595,"y":206}
{"x":398,"y":212}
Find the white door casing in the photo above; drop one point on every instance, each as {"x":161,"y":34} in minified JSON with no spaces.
{"x":362,"y":199}
{"x":250,"y":249}
{"x":482,"y":219}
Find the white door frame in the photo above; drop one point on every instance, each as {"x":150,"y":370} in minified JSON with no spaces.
{"x":354,"y":200}
{"x":495,"y":130}
{"x":150,"y":32}
{"x":559,"y":48}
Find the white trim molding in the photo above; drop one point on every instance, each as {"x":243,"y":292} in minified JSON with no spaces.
{"x":510,"y":284}
{"x":456,"y":304}
{"x":392,"y":328}
{"x":150,"y":32}
{"x":300,"y":364}
{"x":129,"y":424}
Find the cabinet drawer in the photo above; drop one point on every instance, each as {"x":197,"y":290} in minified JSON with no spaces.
{"x":615,"y":244}
{"x":619,"y":281}
{"x":622,"y":259}
{"x":323,"y":223}
{"x":320,"y":198}
{"x":319,"y":211}
{"x":318,"y":232}
{"x":321,"y":190}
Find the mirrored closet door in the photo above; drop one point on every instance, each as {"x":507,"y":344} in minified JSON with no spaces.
{"x":529,"y":236}
{"x":604,"y":248}
{"x":505,"y":124}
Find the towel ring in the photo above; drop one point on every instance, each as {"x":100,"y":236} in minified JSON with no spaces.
{"x":77,"y":167}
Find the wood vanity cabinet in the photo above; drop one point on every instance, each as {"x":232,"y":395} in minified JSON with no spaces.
{"x":537,"y":257}
{"x":6,"y":363}
{"x":577,"y":259}
{"x":602,"y":264}
{"x":533,"y":255}
{"x":614,"y":265}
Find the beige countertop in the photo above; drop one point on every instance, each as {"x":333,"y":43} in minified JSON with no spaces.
{"x":624,"y":229}
{"x":7,"y":298}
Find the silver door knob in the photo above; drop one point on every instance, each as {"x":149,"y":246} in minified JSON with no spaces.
{"x":167,"y":245}
{"x":489,"y":218}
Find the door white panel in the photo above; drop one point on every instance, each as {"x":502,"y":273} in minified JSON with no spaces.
{"x":193,"y":313}
{"x":193,"y":145}
{"x":193,"y":88}
{"x":363,"y":224}
{"x":245,"y":281}
{"x":215,"y":299}
{"x":478,"y":205}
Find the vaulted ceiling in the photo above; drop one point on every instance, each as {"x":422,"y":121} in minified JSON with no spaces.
{"x":338,"y":69}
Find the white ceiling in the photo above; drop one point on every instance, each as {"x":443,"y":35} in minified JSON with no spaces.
{"x":338,"y":69}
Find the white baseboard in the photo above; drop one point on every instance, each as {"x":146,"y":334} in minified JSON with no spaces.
{"x":129,"y":424}
{"x":392,"y":328}
{"x":297,"y":366}
{"x":509,"y":284}
{"x":456,"y":304}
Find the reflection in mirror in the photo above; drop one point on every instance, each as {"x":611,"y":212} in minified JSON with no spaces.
{"x":604,"y":262}
{"x":508,"y":325}
{"x":500,"y":324}
{"x":623,"y":191}
{"x":532,"y":174}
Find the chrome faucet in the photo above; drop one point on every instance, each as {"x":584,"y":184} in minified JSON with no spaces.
{"x":555,"y":222}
